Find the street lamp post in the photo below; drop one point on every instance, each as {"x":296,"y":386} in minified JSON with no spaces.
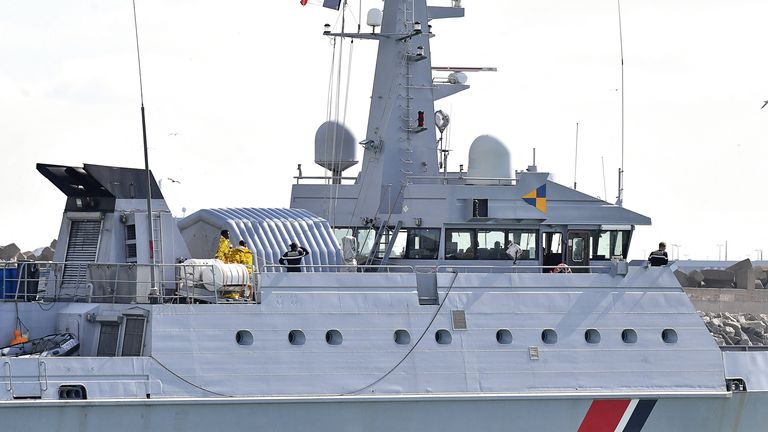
{"x":676,"y":251}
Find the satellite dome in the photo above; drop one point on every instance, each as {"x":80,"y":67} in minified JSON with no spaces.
{"x":489,"y":158}
{"x":334,"y":147}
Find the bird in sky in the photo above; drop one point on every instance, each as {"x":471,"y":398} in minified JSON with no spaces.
{"x":764,"y":104}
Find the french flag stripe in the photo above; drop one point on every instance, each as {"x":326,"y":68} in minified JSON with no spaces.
{"x":627,"y":415}
{"x":640,"y":415}
{"x":604,"y":415}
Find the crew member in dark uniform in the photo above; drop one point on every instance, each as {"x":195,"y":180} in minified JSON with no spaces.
{"x":659,"y":257}
{"x":292,"y":259}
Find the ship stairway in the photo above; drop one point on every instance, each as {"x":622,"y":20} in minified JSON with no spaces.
{"x":157,"y":239}
{"x":82,"y":248}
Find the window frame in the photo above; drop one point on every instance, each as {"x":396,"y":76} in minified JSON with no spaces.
{"x":509,"y":233}
{"x":613,"y":237}
{"x":410,"y":243}
{"x":472,"y":240}
{"x":532,"y":231}
{"x":120,"y":323}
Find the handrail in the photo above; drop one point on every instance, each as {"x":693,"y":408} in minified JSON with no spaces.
{"x":345,"y":267}
{"x":445,"y":179}
{"x":128,"y":282}
{"x":324,"y":178}
{"x":103,"y":282}
{"x":430,"y":268}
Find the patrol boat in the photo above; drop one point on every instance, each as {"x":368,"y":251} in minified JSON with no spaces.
{"x":421,"y":322}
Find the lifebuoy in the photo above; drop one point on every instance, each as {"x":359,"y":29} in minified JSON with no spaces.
{"x":561,"y":268}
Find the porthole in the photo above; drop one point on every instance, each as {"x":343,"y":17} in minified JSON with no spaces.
{"x":244,"y":337}
{"x":443,"y":337}
{"x":669,"y":336}
{"x":504,"y":336}
{"x":549,"y":336}
{"x":296,"y":337}
{"x":333,"y":337}
{"x":629,"y":336}
{"x":402,"y":337}
{"x":592,"y":336}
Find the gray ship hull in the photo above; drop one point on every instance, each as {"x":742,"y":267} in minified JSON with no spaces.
{"x":716,"y":413}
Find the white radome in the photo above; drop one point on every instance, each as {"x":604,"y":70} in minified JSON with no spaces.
{"x":338,"y":156}
{"x":489,"y":158}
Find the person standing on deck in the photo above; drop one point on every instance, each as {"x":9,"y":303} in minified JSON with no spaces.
{"x":292,"y":258}
{"x":659,"y":257}
{"x":242,"y":255}
{"x":224,"y":250}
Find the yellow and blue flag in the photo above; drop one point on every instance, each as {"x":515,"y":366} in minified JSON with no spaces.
{"x":537,"y":198}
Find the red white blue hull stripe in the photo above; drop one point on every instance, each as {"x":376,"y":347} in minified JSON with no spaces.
{"x":617,"y":415}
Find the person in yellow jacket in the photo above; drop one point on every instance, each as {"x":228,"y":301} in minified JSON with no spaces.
{"x":224,"y":251}
{"x":242,"y":255}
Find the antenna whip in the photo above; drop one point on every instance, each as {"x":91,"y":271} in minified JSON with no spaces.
{"x":146,"y":155}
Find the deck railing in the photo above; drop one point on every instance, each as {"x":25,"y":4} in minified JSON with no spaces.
{"x":123,"y":283}
{"x":188,"y":283}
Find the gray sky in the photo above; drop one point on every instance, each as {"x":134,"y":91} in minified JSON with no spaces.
{"x":235,"y":89}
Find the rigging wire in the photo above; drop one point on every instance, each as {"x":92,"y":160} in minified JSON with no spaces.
{"x":19,"y":323}
{"x":416,"y":344}
{"x":186,"y":380}
{"x":332,"y":216}
{"x":344,"y":117}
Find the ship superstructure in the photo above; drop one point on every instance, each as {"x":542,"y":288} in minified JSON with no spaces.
{"x":430,"y":324}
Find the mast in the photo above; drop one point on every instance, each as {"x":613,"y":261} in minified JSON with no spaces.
{"x":150,"y":223}
{"x":620,"y":197}
{"x":401,"y":136}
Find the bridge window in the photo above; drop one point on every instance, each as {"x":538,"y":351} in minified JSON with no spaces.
{"x":526,"y":239}
{"x":621,"y":244}
{"x":553,"y":250}
{"x":491,"y":244}
{"x":365,"y":238}
{"x":340,"y":233}
{"x":609,"y":244}
{"x":460,"y":244}
{"x":423,"y":243}
{"x":577,"y":249}
{"x":412,"y":243}
{"x":398,"y":249}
